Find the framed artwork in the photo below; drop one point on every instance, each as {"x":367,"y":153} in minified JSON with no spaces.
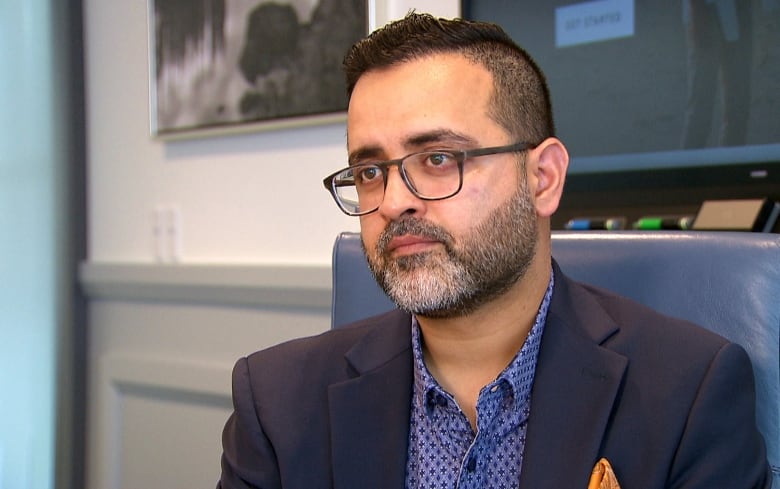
{"x":227,"y":65}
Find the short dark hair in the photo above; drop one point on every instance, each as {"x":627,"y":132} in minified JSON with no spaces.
{"x":521,"y":99}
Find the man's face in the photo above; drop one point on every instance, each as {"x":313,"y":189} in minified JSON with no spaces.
{"x":441,"y":258}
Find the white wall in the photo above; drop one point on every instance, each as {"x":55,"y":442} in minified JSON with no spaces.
{"x":250,"y":198}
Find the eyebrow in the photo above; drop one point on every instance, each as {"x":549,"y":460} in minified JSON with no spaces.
{"x":439,"y":136}
{"x":414,"y":143}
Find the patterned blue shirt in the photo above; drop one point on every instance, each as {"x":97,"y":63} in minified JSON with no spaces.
{"x":444,"y":451}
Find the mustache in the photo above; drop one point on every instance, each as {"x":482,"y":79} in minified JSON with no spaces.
{"x":416,"y":227}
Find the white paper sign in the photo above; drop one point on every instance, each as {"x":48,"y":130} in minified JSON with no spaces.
{"x":593,"y":21}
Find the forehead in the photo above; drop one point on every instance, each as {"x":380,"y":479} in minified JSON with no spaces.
{"x":442,"y":92}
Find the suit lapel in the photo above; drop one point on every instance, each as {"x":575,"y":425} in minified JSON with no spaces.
{"x":370,"y":413}
{"x":575,"y":388}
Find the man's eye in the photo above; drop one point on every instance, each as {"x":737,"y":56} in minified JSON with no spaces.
{"x":440,"y":159}
{"x":369,"y":174}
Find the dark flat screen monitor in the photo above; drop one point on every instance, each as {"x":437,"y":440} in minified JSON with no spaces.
{"x":663,"y":95}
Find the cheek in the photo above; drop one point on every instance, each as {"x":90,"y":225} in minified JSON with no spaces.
{"x":487,"y":185}
{"x":469,"y":207}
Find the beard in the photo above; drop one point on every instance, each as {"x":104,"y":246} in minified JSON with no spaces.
{"x":468,"y":272}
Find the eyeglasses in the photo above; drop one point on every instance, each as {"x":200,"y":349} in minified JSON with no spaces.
{"x":430,"y":175}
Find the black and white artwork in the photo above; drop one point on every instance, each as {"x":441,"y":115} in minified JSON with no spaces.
{"x":222,"y":64}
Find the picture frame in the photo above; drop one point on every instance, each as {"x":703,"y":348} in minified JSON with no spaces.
{"x":225,"y":66}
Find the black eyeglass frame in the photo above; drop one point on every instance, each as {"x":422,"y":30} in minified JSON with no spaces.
{"x":459,"y":155}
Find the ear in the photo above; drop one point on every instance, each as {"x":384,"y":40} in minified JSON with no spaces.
{"x":551,"y":160}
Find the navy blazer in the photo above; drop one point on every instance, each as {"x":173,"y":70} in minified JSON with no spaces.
{"x":669,"y":404}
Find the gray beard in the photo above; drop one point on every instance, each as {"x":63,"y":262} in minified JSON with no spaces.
{"x":465,"y":275}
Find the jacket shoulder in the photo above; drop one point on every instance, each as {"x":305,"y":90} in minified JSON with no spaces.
{"x":314,"y":356}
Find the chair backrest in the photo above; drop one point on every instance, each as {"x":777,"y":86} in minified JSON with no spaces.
{"x":726,"y":282}
{"x":356,"y":294}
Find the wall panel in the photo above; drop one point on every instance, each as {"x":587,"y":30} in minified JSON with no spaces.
{"x":161,"y":354}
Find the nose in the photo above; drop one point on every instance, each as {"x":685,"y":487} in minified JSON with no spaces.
{"x":398,"y":199}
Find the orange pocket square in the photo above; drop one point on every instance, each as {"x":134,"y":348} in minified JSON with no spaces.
{"x":603,"y":476}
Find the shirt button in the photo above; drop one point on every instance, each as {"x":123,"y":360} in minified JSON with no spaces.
{"x":494,"y":388}
{"x":431,"y":399}
{"x":471,"y":465}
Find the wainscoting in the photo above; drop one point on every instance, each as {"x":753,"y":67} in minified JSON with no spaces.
{"x":162,"y":343}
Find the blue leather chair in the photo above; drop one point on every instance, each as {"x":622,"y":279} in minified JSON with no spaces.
{"x":726,"y":282}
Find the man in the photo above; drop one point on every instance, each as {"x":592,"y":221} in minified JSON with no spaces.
{"x":497,"y":370}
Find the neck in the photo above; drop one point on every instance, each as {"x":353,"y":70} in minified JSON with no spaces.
{"x":466,"y":353}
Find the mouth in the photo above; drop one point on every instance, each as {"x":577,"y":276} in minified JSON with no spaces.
{"x":410,"y":244}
